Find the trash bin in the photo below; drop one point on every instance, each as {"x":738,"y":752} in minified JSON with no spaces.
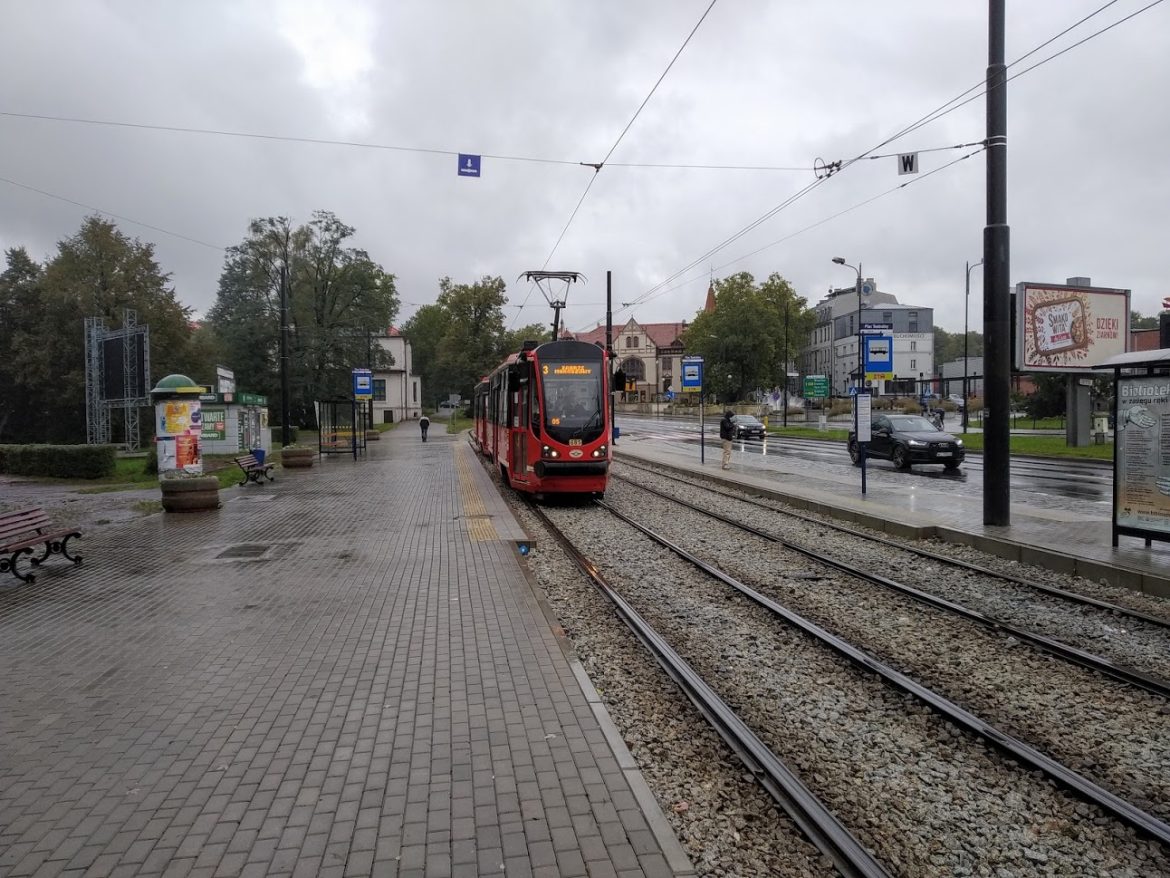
{"x":257,"y":453}
{"x":617,"y":431}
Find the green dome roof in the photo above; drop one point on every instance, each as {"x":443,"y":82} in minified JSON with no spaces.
{"x":177,"y":384}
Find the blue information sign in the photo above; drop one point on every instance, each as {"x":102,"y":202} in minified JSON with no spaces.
{"x":363,"y":385}
{"x":878,"y":356}
{"x":692,"y":373}
{"x":468,"y":165}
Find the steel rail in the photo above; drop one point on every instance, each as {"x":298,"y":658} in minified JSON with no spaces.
{"x":814,"y":819}
{"x":1113,"y":804}
{"x":1072,"y":654}
{"x":1052,"y":590}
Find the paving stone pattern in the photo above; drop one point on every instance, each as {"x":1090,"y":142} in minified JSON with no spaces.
{"x":326,"y":677}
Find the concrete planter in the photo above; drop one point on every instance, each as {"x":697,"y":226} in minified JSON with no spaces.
{"x":190,"y":495}
{"x":297,"y":458}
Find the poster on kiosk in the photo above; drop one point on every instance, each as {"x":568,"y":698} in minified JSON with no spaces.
{"x":180,"y":423}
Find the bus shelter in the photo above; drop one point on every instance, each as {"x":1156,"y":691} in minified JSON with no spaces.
{"x":342,"y":425}
{"x":1141,"y":449}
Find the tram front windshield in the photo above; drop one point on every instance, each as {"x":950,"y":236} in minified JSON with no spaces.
{"x":572,"y":400}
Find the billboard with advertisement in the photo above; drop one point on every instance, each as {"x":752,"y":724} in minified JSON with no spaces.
{"x":1142,"y":485}
{"x":1069,"y":329}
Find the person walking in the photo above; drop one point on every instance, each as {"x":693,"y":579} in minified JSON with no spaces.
{"x":423,"y":423}
{"x":727,"y":433}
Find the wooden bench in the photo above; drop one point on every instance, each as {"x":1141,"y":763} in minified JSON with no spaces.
{"x":22,"y":531}
{"x":253,"y":469}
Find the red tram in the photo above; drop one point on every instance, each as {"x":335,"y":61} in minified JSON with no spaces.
{"x":542,"y":417}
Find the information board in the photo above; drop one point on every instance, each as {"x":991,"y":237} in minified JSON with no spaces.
{"x":692,"y":374}
{"x":1142,"y":488}
{"x":816,"y":386}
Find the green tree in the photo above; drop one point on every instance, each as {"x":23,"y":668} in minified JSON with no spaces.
{"x":1137,"y":321}
{"x":20,"y":317}
{"x":742,"y":340}
{"x":948,"y":346}
{"x":337,"y":299}
{"x":461,"y":337}
{"x":1049,"y":400}
{"x":96,"y":273}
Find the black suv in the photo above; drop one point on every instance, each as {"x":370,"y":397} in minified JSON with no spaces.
{"x":909,"y":439}
{"x":748,"y":427}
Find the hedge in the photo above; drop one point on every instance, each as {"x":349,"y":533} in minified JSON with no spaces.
{"x":58,"y":461}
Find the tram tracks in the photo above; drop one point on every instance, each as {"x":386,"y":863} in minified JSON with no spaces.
{"x":1126,"y":636}
{"x":757,"y":666}
{"x":1115,"y":734}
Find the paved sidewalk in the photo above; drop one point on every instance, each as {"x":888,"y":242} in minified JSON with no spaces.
{"x":341,"y":673}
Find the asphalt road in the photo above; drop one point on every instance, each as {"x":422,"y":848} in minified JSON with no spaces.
{"x":1046,"y":483}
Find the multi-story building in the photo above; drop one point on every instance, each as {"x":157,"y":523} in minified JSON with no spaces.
{"x":833,"y":343}
{"x":650,"y":355}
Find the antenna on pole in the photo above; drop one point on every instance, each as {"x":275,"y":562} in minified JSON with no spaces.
{"x":548,"y":282}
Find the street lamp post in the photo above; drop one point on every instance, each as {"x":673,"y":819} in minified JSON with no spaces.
{"x":861,"y":446}
{"x":966,"y":345}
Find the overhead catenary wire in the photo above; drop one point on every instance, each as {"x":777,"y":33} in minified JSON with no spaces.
{"x":934,"y":115}
{"x":599,"y":165}
{"x":817,"y":224}
{"x":110,"y":213}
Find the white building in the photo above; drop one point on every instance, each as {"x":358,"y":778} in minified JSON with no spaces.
{"x":397,"y":390}
{"x":833,"y":342}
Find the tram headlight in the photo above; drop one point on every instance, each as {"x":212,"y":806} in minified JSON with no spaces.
{"x":545,"y":451}
{"x":600,"y":451}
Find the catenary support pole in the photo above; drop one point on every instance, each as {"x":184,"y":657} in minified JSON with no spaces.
{"x":996,"y":281}
{"x":284,"y":402}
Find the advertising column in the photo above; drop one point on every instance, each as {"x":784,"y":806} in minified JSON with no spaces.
{"x":178,"y":425}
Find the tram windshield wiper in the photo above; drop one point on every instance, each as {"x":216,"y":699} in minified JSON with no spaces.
{"x":595,"y":417}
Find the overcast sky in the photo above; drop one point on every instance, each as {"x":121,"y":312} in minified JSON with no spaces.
{"x":761,"y":83}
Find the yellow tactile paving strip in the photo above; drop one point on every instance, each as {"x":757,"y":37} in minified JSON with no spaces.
{"x":475,"y":514}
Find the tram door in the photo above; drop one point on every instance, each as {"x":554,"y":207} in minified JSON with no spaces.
{"x":519,"y":391}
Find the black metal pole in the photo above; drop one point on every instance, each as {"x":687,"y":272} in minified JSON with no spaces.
{"x":609,"y":347}
{"x":966,"y":340}
{"x":556,"y":321}
{"x":996,"y":281}
{"x":861,"y":446}
{"x":785,"y":395}
{"x":370,"y":366}
{"x":284,"y":403}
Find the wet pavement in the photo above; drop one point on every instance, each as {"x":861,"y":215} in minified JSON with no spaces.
{"x":343,"y":672}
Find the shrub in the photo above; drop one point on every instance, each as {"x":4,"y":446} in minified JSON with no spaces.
{"x":59,"y":461}
{"x":150,"y":468}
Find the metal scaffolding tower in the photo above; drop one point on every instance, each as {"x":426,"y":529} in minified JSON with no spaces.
{"x":126,"y":350}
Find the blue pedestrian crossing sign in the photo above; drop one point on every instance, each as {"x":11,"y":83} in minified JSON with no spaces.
{"x":468,"y":165}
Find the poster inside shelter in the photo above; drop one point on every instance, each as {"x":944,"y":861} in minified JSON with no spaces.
{"x":1143,"y":453}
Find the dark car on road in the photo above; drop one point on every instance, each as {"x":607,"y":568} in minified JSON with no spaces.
{"x":907,"y":440}
{"x":748,"y":427}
